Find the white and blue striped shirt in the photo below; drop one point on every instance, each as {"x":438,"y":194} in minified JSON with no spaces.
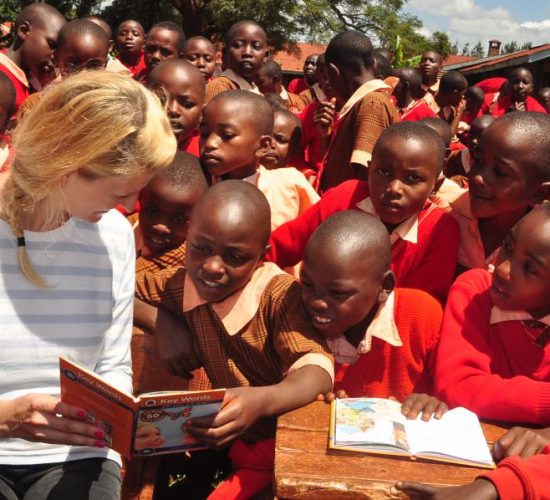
{"x":86,"y":313}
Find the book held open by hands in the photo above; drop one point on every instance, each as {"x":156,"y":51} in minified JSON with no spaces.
{"x":373,"y":425}
{"x":149,"y":424}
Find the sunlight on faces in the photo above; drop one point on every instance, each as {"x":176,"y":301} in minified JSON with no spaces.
{"x":130,"y":38}
{"x":90,"y":198}
{"x":521,"y":280}
{"x":247,"y":50}
{"x":231,"y":143}
{"x":340,"y":287}
{"x":165,"y":213}
{"x":224,"y":248}
{"x":81,"y":53}
{"x":521,"y":84}
{"x":161,"y":44}
{"x":201,"y":53}
{"x":430,"y":64}
{"x":402,"y":174}
{"x":501,"y":180}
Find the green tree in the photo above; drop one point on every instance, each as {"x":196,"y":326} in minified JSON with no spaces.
{"x":440,"y":43}
{"x":478,"y":50}
{"x":510,"y":47}
{"x":454,"y":48}
{"x":527,"y":45}
{"x":466,"y":49}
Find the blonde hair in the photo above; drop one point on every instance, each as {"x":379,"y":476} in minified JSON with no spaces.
{"x":98,"y":123}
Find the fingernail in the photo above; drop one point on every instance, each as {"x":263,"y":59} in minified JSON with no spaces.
{"x":99,"y":444}
{"x":81,"y":414}
{"x":99,"y":434}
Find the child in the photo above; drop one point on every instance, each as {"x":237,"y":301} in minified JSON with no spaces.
{"x":383,"y":339}
{"x":287,"y":130}
{"x":164,"y":41}
{"x":367,"y":111}
{"x":449,"y":104}
{"x":184,"y":86}
{"x":430,"y":65}
{"x":200,"y":52}
{"x":81,"y":45}
{"x":269,"y":79}
{"x":408,"y":95}
{"x":406,"y":164}
{"x":507,"y":177}
{"x":543,"y":96}
{"x":516,"y":98}
{"x":250,"y":312}
{"x":7,"y":107}
{"x":166,"y":203}
{"x":129,"y":44}
{"x":29,"y":59}
{"x":245,"y":51}
{"x":236,"y":131}
{"x":474,"y":98}
{"x":494,"y":356}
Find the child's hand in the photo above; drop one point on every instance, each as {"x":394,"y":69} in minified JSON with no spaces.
{"x":241,"y":407}
{"x":520,"y":106}
{"x":480,"y":489}
{"x":461,"y":107}
{"x":425,"y":404}
{"x":522,"y":442}
{"x":329,"y":397}
{"x":43,"y":418}
{"x":324,"y":117}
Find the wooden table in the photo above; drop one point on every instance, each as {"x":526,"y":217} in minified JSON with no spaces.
{"x":306,"y":468}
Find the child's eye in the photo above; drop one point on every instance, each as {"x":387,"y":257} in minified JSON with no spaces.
{"x":166,"y":52}
{"x":414,"y":178}
{"x":200,"y":248}
{"x":236,"y":259}
{"x":281,"y":139}
{"x":237,"y":44}
{"x":340,"y":293}
{"x":383,"y":171}
{"x":226,"y":136}
{"x":500,"y":172}
{"x":257,"y":46}
{"x":529,"y":268}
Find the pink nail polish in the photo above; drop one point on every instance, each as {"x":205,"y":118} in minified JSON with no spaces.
{"x":81,"y":414}
{"x":99,"y":434}
{"x":100,"y":444}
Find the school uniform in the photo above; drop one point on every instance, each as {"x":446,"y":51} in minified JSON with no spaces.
{"x":471,"y":252}
{"x":311,"y":142}
{"x":396,"y":356}
{"x":228,"y":80}
{"x":312,"y":94}
{"x":361,"y":121}
{"x":431,"y":89}
{"x":191,"y":145}
{"x":494,"y":362}
{"x":138,"y":68}
{"x":497,"y":105}
{"x":424,"y":247}
{"x":264,"y":331}
{"x":515,"y":478}
{"x":115,"y":66}
{"x":287,"y":191}
{"x":298,"y":85}
{"x":417,"y":110}
{"x":17,"y":77}
{"x":293,"y":102}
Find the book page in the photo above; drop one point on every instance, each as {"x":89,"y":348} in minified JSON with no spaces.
{"x":369,"y":423}
{"x":457,"y":434}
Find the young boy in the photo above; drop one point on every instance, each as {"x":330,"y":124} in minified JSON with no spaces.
{"x":82,"y":45}
{"x":494,"y":356}
{"x":269,"y":80}
{"x":236,"y":130}
{"x":430,"y":65}
{"x":129,"y":44}
{"x":7,"y":107}
{"x":517,"y":98}
{"x":406,"y":164}
{"x":383,"y":339}
{"x":250,"y":312}
{"x":182,"y":85}
{"x":28,"y":61}
{"x":287,"y":130}
{"x":507,"y":177}
{"x":449,"y":104}
{"x":367,"y":109}
{"x":200,"y":52}
{"x":164,"y":41}
{"x":245,"y":51}
{"x":409,"y":96}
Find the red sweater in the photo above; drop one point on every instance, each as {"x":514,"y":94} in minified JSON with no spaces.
{"x":298,"y":85}
{"x":428,"y":265}
{"x":398,"y":371}
{"x":493,"y":370}
{"x":517,"y":479}
{"x":191,"y":145}
{"x":503,"y":106}
{"x":418,"y":112}
{"x":310,"y":141}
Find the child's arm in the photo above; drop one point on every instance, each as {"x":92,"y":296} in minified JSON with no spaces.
{"x":464,"y":375}
{"x":480,"y":489}
{"x":145,"y":315}
{"x":243,"y":406}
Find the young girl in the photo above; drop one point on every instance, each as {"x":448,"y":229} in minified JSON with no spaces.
{"x":67,"y":273}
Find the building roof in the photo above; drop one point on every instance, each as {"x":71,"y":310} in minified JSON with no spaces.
{"x":492,"y":63}
{"x":294,"y":63}
{"x":456,"y":59}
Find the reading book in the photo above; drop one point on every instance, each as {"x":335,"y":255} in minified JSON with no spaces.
{"x":149,"y":424}
{"x":373,"y":425}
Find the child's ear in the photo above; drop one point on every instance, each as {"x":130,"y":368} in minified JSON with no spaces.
{"x":23,"y":30}
{"x":541,"y":195}
{"x":266,"y":142}
{"x":388,"y":284}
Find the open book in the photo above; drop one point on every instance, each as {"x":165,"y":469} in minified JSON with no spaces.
{"x":373,"y":425}
{"x":149,"y":424}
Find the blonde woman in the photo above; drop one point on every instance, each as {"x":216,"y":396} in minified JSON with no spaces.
{"x":67,"y":275}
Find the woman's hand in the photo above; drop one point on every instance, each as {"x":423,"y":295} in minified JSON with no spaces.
{"x":43,"y":418}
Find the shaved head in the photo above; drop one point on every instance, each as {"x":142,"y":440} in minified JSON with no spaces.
{"x":38,"y":14}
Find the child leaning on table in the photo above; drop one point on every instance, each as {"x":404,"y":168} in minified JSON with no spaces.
{"x":248,"y":329}
{"x":382,"y":337}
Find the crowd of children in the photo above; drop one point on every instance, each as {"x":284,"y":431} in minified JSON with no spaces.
{"x":367,"y":231}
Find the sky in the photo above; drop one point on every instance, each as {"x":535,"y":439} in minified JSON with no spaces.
{"x":473,"y":20}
